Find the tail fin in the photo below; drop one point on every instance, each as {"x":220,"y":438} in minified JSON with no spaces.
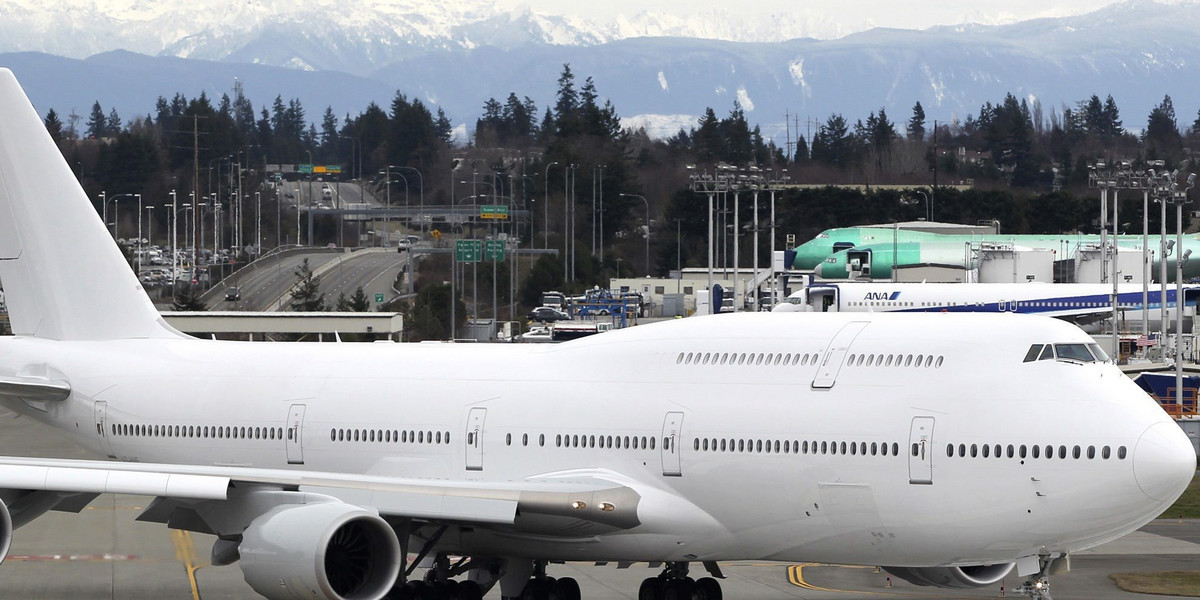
{"x":63,"y":276}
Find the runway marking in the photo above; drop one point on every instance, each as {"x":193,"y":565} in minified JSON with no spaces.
{"x":185,"y":551}
{"x":71,"y":557}
{"x":796,"y":578}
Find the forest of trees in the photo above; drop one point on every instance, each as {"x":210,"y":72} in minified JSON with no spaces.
{"x":1027,"y":165}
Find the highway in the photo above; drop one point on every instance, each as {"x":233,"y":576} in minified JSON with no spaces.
{"x":266,"y":283}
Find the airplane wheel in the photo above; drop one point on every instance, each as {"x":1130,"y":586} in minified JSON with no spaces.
{"x":651,"y":589}
{"x":707,"y":588}
{"x":678,"y":589}
{"x":536,"y":589}
{"x":566,"y":589}
{"x":469,"y":590}
{"x":402,"y":591}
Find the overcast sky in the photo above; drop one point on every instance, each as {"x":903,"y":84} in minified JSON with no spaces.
{"x":851,"y":14}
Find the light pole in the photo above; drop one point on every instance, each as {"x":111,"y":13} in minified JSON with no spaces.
{"x":257,"y":224}
{"x":104,"y":200}
{"x":647,"y":203}
{"x":174,"y":233}
{"x":150,"y":235}
{"x":421,"y":190}
{"x":546,"y":208}
{"x":388,"y":184}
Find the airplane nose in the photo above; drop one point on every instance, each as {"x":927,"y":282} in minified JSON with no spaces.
{"x":1164,"y":461}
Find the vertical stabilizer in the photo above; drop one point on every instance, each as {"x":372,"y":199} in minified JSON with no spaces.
{"x":64,"y":277}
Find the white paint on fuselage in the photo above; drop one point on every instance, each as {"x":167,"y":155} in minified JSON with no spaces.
{"x":845,"y":508}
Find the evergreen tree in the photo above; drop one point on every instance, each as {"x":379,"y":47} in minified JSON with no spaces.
{"x":916,"y":123}
{"x":329,"y":133}
{"x":1162,"y":137}
{"x":801,"y":155}
{"x":53,"y":125}
{"x":187,"y":299}
{"x":445,"y":131}
{"x":358,"y":302}
{"x":707,"y":138}
{"x":306,"y":295}
{"x":112,"y":125}
{"x":97,"y":125}
{"x":566,"y":108}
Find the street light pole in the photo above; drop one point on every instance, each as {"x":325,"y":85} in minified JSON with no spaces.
{"x":647,"y":203}
{"x":546,"y":208}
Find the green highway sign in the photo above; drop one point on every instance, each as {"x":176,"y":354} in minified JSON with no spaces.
{"x":468,"y":250}
{"x":493,"y":211}
{"x":493,"y":250}
{"x":379,"y":298}
{"x":306,"y":168}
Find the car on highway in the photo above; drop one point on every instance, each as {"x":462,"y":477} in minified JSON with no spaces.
{"x":547,"y":314}
{"x":233,"y":294}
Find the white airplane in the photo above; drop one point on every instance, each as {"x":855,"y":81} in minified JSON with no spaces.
{"x":330,"y":471}
{"x":1076,"y":302}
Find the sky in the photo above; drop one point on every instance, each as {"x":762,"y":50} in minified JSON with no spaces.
{"x":852,"y":15}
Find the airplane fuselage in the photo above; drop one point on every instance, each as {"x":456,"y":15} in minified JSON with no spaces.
{"x":721,"y":416}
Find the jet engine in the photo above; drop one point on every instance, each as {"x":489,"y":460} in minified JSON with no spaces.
{"x":953,"y":577}
{"x":324,"y":551}
{"x":18,"y":508}
{"x":6,"y":531}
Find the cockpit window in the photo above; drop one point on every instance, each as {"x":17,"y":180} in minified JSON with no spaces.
{"x":1083,"y":353}
{"x":1078,"y":352}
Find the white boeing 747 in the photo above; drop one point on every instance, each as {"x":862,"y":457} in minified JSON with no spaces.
{"x":930,"y":445}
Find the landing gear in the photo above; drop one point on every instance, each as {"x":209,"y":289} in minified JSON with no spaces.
{"x":674,"y":584}
{"x":1037,"y":585}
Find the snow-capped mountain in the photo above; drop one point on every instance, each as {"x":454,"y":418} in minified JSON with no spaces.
{"x":469,"y":51}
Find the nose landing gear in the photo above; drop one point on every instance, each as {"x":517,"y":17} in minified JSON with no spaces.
{"x":674,"y":584}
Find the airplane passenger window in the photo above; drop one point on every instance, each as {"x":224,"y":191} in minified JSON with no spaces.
{"x":870,"y":360}
{"x":541,"y":439}
{"x":1091,"y":452}
{"x":949,"y":450}
{"x":1021,"y":451}
{"x":1075,"y":452}
{"x":1105,"y":452}
{"x":907,"y":360}
{"x":508,"y":439}
{"x":680,"y":359}
{"x":986,"y":451}
{"x":333,"y":435}
{"x":1062,"y":452}
{"x":524,"y":439}
{"x":920,"y":357}
{"x":962,"y":450}
{"x":652,"y":444}
{"x":843,"y":447}
{"x":974,"y":450}
{"x":1010,"y":451}
{"x":1121,"y":453}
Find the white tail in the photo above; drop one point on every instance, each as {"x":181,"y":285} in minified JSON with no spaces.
{"x":63,"y":276}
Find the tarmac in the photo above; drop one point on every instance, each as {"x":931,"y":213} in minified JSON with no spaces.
{"x":103,"y":553}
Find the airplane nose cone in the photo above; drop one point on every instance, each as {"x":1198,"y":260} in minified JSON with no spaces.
{"x":1164,"y":461}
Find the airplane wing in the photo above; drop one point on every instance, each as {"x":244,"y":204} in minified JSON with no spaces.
{"x":600,"y":499}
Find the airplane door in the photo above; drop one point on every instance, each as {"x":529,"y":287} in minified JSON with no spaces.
{"x":474,"y":438}
{"x":836,"y":353}
{"x":671,"y":436}
{"x":294,"y":435}
{"x":102,"y":427}
{"x":920,"y":451}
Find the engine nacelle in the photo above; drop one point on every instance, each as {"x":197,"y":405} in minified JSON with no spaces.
{"x":953,"y":577}
{"x":6,"y":531}
{"x":324,"y":551}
